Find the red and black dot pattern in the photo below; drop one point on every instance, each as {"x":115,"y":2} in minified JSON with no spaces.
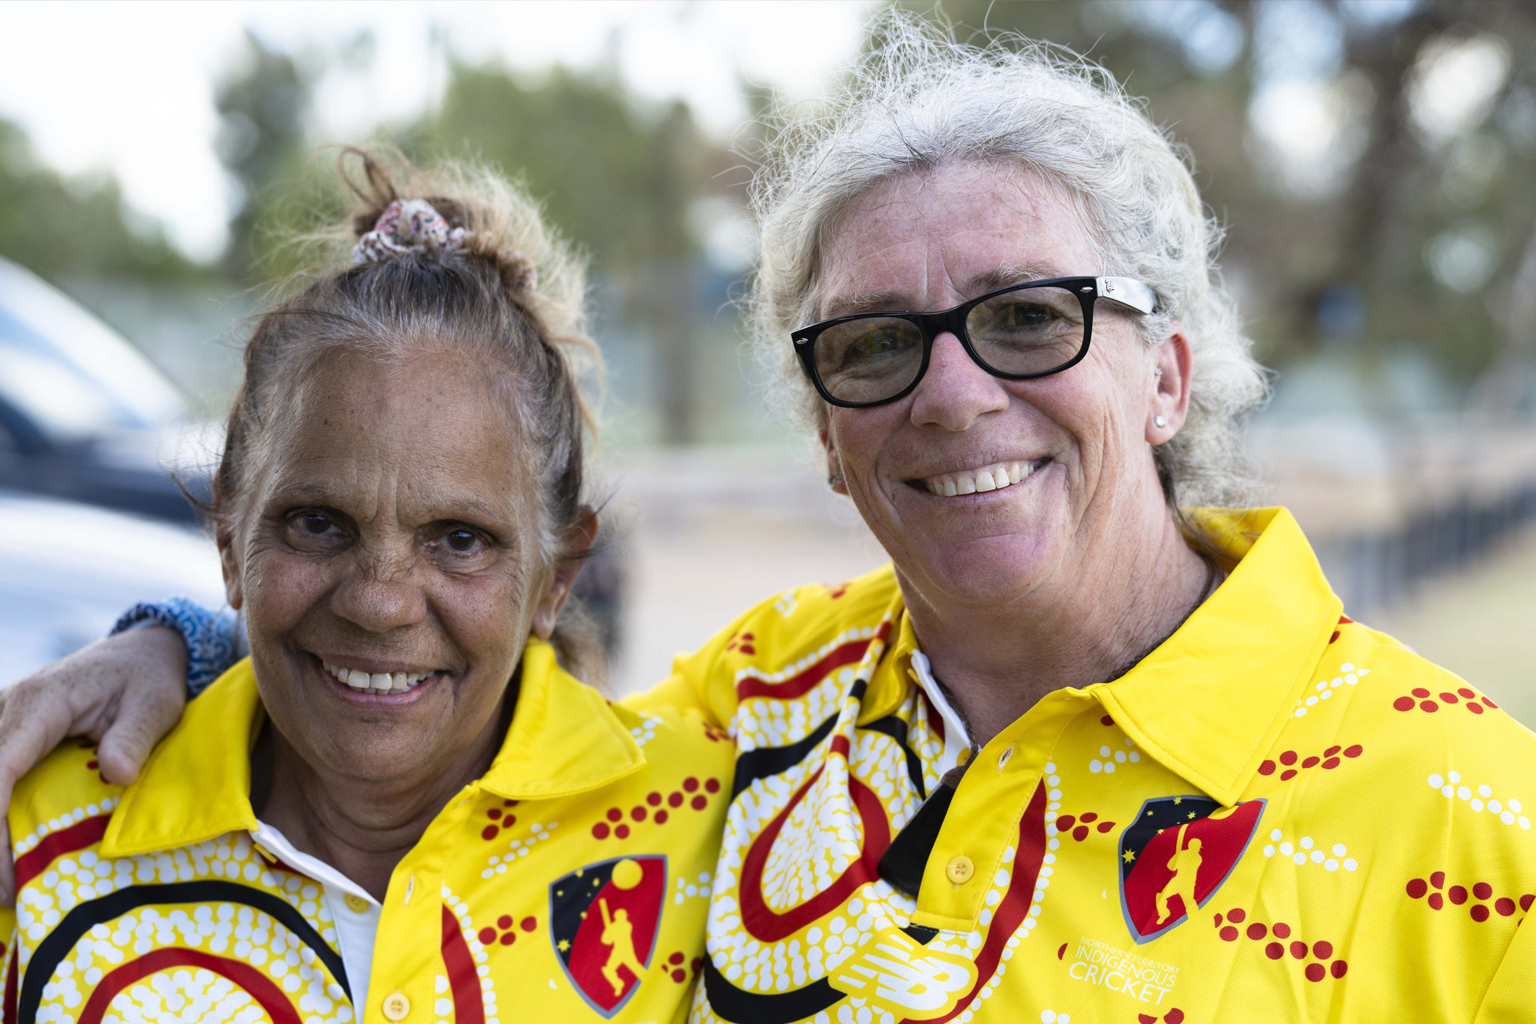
{"x":1329,"y":759}
{"x":657,"y":809}
{"x":500,"y":818}
{"x":1080,"y":826}
{"x":680,"y":971}
{"x":505,"y":932}
{"x":1280,"y":941}
{"x":1430,"y":702}
{"x":1484,"y":905}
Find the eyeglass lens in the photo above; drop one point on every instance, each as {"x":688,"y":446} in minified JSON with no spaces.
{"x":1027,"y":331}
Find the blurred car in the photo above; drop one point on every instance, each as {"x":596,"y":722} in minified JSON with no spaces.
{"x":83,"y":414}
{"x":68,"y":570}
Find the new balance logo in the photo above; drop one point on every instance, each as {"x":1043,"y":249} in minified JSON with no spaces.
{"x":898,"y":975}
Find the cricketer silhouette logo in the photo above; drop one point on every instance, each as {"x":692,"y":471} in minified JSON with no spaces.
{"x":1175,"y":855}
{"x":603,"y":920}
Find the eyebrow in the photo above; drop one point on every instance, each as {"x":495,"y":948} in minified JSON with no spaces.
{"x":987,"y":281}
{"x":457,"y":507}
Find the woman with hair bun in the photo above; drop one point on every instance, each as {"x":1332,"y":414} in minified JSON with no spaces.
{"x":402,"y":805}
{"x":1100,"y":743}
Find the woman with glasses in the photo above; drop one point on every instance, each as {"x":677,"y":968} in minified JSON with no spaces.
{"x":1100,"y":743}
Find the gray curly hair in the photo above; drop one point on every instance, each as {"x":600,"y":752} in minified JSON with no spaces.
{"x":918,"y":100}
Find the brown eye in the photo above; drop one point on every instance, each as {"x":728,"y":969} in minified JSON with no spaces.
{"x":461,"y":540}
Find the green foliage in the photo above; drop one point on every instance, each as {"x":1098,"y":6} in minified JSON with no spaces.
{"x":263,"y":106}
{"x":617,"y":180}
{"x":61,"y":227}
{"x":1369,"y":235}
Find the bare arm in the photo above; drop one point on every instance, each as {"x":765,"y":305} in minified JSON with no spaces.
{"x":88,"y":693}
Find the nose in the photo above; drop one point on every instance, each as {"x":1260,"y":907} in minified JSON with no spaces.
{"x":380,"y":594}
{"x":955,"y":392}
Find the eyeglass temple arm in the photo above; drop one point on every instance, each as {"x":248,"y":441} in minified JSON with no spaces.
{"x":1128,"y":292}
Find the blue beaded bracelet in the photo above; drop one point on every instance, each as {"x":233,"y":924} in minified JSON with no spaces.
{"x":215,"y":640}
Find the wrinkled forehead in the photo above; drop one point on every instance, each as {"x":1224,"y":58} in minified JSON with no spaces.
{"x":431,"y":423}
{"x":927,"y":239}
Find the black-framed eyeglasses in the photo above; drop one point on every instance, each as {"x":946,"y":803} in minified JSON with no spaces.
{"x":1020,"y":332}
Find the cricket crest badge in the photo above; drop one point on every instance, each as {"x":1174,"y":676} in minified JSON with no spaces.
{"x":1175,"y":855}
{"x":603,"y":920}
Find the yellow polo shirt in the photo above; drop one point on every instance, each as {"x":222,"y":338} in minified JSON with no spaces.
{"x":1278,"y":815}
{"x":570,"y":882}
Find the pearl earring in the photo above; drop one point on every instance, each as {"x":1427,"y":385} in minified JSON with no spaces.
{"x":1160,"y":421}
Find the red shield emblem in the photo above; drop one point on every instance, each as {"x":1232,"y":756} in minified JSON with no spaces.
{"x":603,"y":920}
{"x":1174,"y":857}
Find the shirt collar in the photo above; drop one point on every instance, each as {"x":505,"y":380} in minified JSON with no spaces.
{"x":1212,"y":698}
{"x":565,"y":738}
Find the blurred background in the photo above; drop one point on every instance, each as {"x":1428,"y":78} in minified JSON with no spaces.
{"x":1375,"y":160}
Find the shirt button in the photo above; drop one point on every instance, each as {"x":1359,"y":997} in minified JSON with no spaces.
{"x":959,"y":870}
{"x":396,"y":1006}
{"x":357,"y":904}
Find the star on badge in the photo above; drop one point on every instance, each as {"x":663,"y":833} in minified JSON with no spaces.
{"x":1130,"y":855}
{"x":565,"y":946}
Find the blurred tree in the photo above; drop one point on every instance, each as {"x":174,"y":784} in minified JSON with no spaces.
{"x":1393,"y":230}
{"x":65,"y":228}
{"x":263,"y":104}
{"x":617,"y":179}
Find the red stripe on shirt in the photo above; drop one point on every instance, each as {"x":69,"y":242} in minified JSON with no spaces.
{"x":1028,"y":857}
{"x":799,"y":685}
{"x":56,"y":844}
{"x":252,"y":981}
{"x":463,"y":980}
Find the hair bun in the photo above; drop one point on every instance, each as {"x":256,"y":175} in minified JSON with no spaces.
{"x":408,"y":225}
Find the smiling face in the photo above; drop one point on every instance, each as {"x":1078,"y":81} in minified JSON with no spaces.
{"x":390,"y":537}
{"x":927,"y":471}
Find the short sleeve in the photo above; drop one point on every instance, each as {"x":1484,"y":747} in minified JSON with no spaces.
{"x":698,"y":682}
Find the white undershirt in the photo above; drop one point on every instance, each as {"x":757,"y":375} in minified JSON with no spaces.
{"x":355,"y":912}
{"x":956,"y":737}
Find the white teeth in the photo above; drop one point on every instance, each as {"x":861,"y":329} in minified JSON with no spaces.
{"x":990,"y":478}
{"x":381,"y":682}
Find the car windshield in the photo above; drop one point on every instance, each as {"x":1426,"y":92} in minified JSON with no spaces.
{"x":72,"y":375}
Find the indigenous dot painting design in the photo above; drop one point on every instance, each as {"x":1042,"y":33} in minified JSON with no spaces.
{"x":620,"y":823}
{"x":1110,"y":758}
{"x":645,"y":731}
{"x":1348,"y":675}
{"x":1281,"y":941}
{"x":1307,"y":850}
{"x":209,"y":932}
{"x":1291,"y":764}
{"x":1173,"y":1016}
{"x":686,"y":889}
{"x":816,"y":798}
{"x":1421,"y":699}
{"x":471,"y":995}
{"x":501,"y":822}
{"x":1485,"y":904}
{"x":1481,"y":798}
